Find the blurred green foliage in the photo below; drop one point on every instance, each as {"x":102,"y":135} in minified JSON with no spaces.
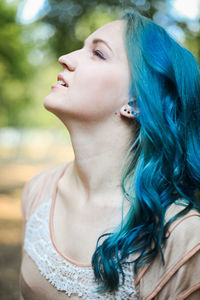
{"x":69,"y":18}
{"x":15,"y":70}
{"x":29,"y":52}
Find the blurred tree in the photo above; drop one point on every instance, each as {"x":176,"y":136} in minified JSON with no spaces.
{"x":14,"y":68}
{"x":192,"y":39}
{"x":29,"y":52}
{"x":66,"y":15}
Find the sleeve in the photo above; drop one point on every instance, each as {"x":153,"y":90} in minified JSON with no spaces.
{"x":39,"y":187}
{"x":185,"y":282}
{"x":24,"y":201}
{"x":24,"y":197}
{"x":29,"y":195}
{"x":179,"y":278}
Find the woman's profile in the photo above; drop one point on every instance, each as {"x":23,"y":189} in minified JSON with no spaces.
{"x":122,"y":220}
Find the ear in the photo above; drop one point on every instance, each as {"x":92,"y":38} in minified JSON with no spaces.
{"x":127,"y":110}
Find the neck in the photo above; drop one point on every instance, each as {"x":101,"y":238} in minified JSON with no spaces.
{"x":99,"y":152}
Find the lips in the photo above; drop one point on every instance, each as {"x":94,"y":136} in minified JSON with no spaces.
{"x":60,"y":77}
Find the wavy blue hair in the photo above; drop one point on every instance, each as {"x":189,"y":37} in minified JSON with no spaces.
{"x":163,"y":161}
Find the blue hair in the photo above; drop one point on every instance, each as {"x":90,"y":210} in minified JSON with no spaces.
{"x":163,"y":161}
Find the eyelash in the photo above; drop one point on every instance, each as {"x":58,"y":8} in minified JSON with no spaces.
{"x":98,"y":53}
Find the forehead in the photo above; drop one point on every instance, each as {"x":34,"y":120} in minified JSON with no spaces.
{"x":113,"y":28}
{"x":112,"y":33}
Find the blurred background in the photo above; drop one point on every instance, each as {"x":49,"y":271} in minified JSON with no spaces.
{"x":33,"y":34}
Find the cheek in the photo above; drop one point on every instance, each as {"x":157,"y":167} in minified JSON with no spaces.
{"x":103,"y":87}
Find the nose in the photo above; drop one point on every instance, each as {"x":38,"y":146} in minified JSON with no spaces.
{"x":66,"y":62}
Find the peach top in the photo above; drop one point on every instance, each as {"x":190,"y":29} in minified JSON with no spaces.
{"x":46,"y":273}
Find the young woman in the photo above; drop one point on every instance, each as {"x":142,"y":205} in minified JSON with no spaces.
{"x":121,"y":221}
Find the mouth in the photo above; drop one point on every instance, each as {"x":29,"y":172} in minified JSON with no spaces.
{"x":62,"y":81}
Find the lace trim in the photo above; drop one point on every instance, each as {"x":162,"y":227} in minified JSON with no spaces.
{"x":62,"y":274}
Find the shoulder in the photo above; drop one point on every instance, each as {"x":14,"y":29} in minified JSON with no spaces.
{"x":181,"y":273}
{"x":49,"y":171}
{"x":41,"y":183}
{"x":184,"y":232}
{"x":34,"y":183}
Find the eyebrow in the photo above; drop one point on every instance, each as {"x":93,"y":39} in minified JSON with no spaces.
{"x":95,"y":41}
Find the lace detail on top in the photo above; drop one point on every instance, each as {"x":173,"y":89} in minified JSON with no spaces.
{"x":61,"y":273}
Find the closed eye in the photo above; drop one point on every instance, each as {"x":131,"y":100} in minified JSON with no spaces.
{"x":98,"y":53}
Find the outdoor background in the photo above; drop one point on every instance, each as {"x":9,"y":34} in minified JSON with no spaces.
{"x":33,"y":34}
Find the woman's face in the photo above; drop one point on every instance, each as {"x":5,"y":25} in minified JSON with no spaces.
{"x":98,"y":77}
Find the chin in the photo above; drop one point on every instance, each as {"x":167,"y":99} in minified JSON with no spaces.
{"x":50,"y":103}
{"x":47,"y":102}
{"x":54,"y":107}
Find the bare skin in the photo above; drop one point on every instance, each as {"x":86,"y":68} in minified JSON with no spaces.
{"x":89,"y":196}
